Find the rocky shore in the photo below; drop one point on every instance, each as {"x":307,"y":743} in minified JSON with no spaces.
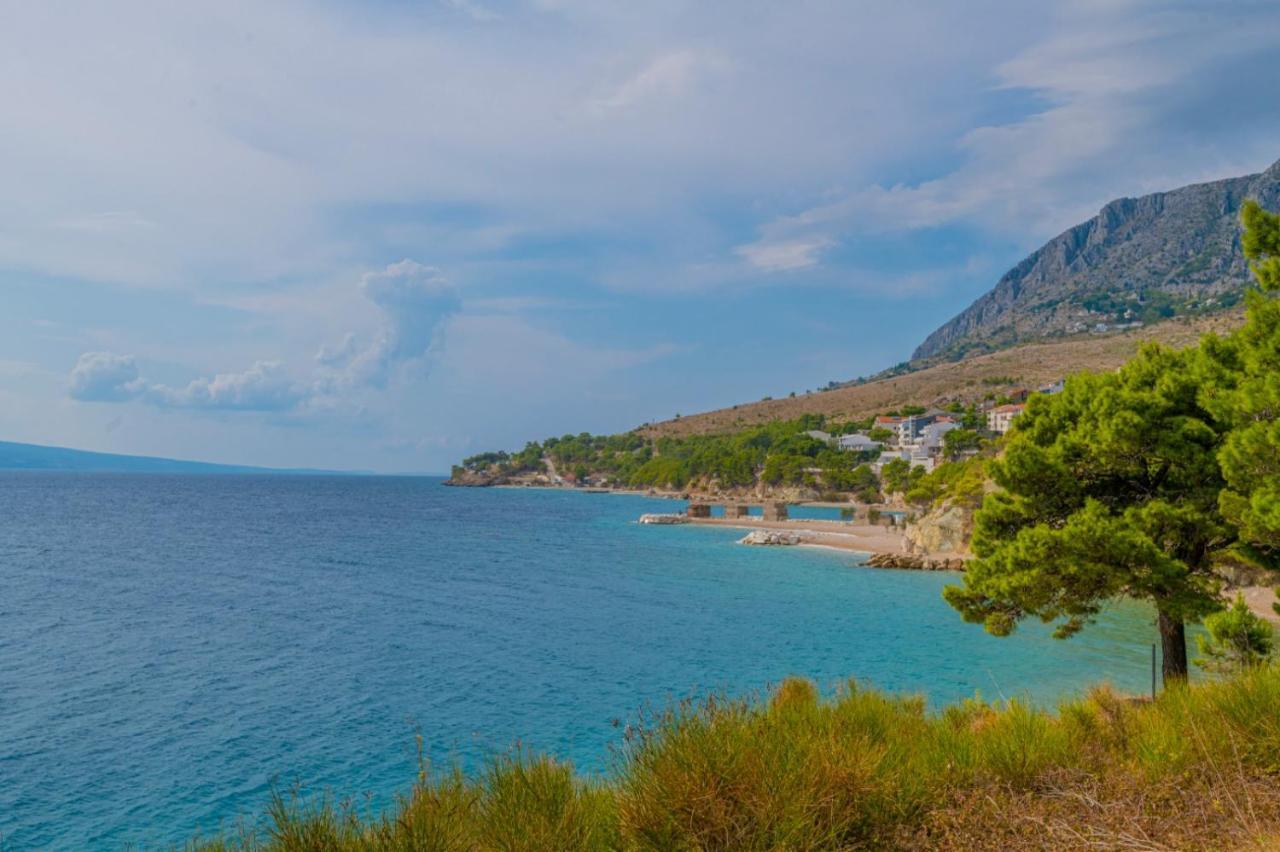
{"x":915,"y":562}
{"x":771,"y":538}
{"x":662,"y":519}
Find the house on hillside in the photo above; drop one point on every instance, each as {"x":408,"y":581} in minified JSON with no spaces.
{"x":931,"y":436}
{"x":885,"y":422}
{"x":910,"y":427}
{"x":858,"y":443}
{"x":819,"y":435}
{"x":1053,"y":387}
{"x":914,"y":456}
{"x":1000,"y":418}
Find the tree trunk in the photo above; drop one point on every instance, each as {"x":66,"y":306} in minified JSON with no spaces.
{"x":1173,"y":642}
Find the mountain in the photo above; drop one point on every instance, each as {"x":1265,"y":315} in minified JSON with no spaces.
{"x":35,"y":457}
{"x":1139,"y":260}
{"x":990,"y":375}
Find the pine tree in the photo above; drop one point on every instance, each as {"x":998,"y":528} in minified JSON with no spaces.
{"x":1236,"y":639}
{"x":1109,"y":489}
{"x":1241,"y":385}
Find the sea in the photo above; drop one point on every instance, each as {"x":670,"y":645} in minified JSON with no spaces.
{"x":174,"y":648}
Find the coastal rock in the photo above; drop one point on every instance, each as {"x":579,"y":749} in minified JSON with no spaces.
{"x":462,"y":478}
{"x":770,"y":538}
{"x":657,"y":518}
{"x":945,"y":529}
{"x":913,"y":562}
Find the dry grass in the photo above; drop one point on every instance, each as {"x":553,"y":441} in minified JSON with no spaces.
{"x":1030,"y":366}
{"x":1197,"y":769}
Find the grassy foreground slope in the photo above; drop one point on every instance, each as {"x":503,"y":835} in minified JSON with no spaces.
{"x":969,"y":380}
{"x":1197,"y":769}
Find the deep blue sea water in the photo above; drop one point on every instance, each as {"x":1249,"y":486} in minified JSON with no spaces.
{"x":171,"y":647}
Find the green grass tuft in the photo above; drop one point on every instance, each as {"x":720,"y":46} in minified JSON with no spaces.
{"x":1198,"y":768}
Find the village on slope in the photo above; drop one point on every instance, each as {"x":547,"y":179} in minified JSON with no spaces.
{"x":919,"y":525}
{"x":889,"y":476}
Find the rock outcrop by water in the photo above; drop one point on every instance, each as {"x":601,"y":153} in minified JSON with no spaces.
{"x":661,"y":518}
{"x":771,"y":538}
{"x":945,"y":529}
{"x":913,"y":562}
{"x":472,"y":479}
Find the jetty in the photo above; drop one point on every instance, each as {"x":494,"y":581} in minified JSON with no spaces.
{"x":770,"y":510}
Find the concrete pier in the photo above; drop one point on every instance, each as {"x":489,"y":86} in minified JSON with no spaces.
{"x":773,"y":511}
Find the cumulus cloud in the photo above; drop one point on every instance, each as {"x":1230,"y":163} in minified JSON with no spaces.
{"x":105,"y":377}
{"x":415,"y":300}
{"x":108,"y":377}
{"x":265,"y":386}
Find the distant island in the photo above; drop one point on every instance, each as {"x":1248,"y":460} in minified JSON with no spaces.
{"x":14,"y":456}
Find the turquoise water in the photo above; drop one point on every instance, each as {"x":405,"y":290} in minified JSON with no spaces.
{"x":171,"y":647}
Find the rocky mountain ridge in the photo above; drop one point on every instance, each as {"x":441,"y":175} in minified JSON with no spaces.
{"x":1139,"y":260}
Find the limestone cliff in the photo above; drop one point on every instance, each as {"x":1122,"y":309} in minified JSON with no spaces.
{"x":1138,"y":260}
{"x":943,"y":529}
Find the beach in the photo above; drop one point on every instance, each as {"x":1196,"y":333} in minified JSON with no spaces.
{"x":841,"y":535}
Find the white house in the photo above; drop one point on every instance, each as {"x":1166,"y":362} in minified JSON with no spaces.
{"x":916,"y":457}
{"x":1000,"y":418}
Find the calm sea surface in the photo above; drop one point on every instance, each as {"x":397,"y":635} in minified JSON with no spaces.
{"x":171,"y":647}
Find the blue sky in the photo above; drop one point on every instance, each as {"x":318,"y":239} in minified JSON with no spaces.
{"x":387,"y":235}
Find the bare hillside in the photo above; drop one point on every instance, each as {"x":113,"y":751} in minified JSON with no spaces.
{"x":972,"y":379}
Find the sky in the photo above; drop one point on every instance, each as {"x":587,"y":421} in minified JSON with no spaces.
{"x":387,"y":235}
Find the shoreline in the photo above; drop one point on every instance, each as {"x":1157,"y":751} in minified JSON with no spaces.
{"x":859,"y":538}
{"x":840,"y":535}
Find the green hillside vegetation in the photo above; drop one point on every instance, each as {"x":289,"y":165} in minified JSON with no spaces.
{"x":778,"y":453}
{"x":963,"y":481}
{"x":1196,"y":769}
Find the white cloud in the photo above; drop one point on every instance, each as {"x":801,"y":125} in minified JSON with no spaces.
{"x":108,"y":377}
{"x":784,"y":255}
{"x":105,"y":377}
{"x":265,"y":386}
{"x":1110,"y":81}
{"x":230,"y":127}
{"x":415,"y":301}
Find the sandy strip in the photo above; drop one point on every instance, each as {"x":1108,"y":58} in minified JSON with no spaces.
{"x":841,"y":535}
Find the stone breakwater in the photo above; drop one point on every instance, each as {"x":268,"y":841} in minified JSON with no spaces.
{"x":771,"y":538}
{"x":658,"y":518}
{"x":913,"y":562}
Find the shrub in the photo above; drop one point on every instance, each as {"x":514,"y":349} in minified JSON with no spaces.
{"x":1236,"y":638}
{"x":1197,"y":768}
